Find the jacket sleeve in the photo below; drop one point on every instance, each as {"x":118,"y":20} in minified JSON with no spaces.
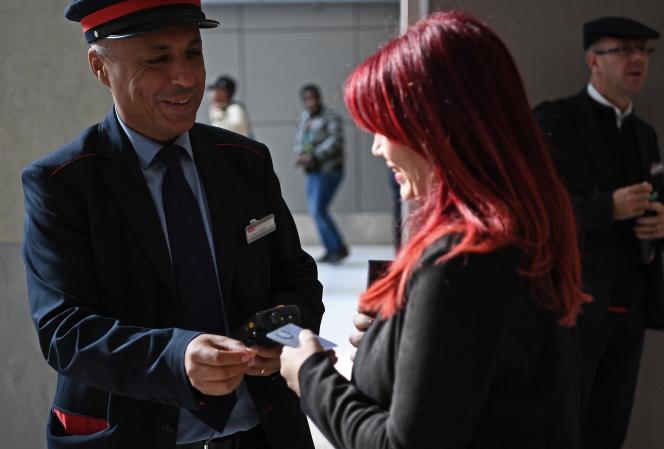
{"x":334,"y":140}
{"x":594,"y":207}
{"x":77,"y":338}
{"x":455,"y":324}
{"x":298,"y":146}
{"x":295,"y":276}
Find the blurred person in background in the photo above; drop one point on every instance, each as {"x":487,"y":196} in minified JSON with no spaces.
{"x":225,"y":112}
{"x":319,"y":151}
{"x":473,"y":341}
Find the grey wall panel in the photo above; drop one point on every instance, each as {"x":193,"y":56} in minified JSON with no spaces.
{"x":298,"y":16}
{"x":347,"y":196}
{"x":229,"y":17}
{"x":278,"y":64}
{"x":384,"y":16}
{"x":26,"y":382}
{"x":370,"y":41}
{"x":48,"y":94}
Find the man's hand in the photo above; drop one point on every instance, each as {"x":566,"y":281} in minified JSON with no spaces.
{"x":651,"y":226}
{"x":215,"y":364}
{"x":304,"y":160}
{"x":267,"y":361}
{"x":631,"y":201}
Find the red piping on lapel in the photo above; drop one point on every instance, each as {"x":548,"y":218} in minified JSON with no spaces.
{"x":60,"y":167}
{"x":240,"y":146}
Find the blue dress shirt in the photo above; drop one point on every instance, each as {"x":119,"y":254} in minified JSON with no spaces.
{"x":244,"y":415}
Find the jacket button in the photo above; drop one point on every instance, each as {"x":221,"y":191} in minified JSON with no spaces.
{"x":167,"y":429}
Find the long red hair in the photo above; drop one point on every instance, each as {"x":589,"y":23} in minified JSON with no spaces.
{"x":449,"y":90}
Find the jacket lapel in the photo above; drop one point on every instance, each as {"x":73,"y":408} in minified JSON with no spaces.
{"x":593,"y":140}
{"x":124,"y":177}
{"x":220,"y":188}
{"x":644,"y":153}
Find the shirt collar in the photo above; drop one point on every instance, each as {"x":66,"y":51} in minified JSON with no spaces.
{"x":620,"y":115}
{"x":147,"y":149}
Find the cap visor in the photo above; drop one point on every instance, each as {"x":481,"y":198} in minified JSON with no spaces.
{"x":166,"y":23}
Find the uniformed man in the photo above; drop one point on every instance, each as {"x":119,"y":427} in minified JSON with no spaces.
{"x":141,"y":260}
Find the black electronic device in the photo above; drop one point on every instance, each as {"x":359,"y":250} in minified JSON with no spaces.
{"x":377,"y":269}
{"x":254,"y":331}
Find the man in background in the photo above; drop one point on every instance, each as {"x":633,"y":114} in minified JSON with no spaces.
{"x":319,"y":150}
{"x":610,"y":161}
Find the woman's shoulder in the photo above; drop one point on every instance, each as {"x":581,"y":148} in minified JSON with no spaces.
{"x":492,"y":271}
{"x":503,"y":260}
{"x":486,"y":283}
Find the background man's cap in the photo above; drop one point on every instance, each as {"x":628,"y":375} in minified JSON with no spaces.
{"x":124,"y":18}
{"x":620,"y":27}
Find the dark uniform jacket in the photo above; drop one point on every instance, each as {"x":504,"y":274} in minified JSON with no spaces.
{"x":102,"y":292}
{"x":580,"y":151}
{"x":471,"y":362}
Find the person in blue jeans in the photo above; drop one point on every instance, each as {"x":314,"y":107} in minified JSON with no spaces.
{"x":319,"y":148}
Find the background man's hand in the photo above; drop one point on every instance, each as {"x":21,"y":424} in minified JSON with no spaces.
{"x":651,"y":226}
{"x":267,"y":361}
{"x":631,"y":201}
{"x":304,"y":160}
{"x":215,"y":365}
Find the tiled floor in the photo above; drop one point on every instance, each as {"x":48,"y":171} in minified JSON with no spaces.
{"x":341,"y":286}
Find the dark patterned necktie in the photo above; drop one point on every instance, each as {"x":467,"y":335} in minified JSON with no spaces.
{"x":195,"y":277}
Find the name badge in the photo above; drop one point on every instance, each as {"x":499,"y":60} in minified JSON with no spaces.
{"x":260,"y":228}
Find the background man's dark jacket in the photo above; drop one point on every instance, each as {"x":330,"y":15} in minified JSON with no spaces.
{"x":580,"y":152}
{"x":102,"y":293}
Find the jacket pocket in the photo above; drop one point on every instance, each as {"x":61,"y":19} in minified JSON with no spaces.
{"x":75,"y":424}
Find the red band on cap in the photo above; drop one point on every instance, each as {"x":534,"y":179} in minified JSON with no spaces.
{"x":125,"y":8}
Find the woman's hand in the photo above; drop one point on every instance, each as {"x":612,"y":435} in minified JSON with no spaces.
{"x":362,"y":321}
{"x":293,"y":358}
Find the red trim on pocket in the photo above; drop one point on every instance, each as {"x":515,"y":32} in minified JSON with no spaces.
{"x":79,"y":424}
{"x":618,"y":309}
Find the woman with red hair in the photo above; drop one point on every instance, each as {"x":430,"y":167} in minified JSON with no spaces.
{"x":472,"y":345}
